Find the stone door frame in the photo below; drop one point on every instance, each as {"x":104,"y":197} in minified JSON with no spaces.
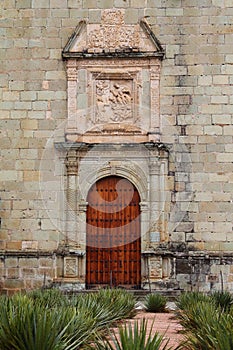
{"x":151,"y":184}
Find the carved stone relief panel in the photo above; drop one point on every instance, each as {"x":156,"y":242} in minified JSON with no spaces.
{"x":119,"y":97}
{"x":113,"y":101}
{"x":70,"y":267}
{"x":114,"y":97}
{"x":111,"y":37}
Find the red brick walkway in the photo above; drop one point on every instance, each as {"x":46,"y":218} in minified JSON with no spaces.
{"x":163,"y":323}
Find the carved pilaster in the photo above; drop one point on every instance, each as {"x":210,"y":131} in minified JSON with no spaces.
{"x":154,"y":168}
{"x":155,"y":105}
{"x":72,"y":72}
{"x":71,"y":164}
{"x":72,"y":76}
{"x":71,"y":198}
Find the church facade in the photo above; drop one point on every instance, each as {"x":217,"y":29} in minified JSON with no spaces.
{"x":116,"y":145}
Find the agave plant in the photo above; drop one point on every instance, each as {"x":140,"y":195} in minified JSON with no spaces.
{"x":49,"y":298}
{"x":134,"y":337}
{"x":223,"y":299}
{"x":106,"y":306}
{"x":213,"y":331}
{"x":185,"y":300}
{"x":26,"y":325}
{"x":155,"y":303}
{"x":46,"y":320}
{"x":207,"y":322}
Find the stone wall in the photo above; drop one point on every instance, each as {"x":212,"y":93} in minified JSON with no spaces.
{"x":197,"y":128}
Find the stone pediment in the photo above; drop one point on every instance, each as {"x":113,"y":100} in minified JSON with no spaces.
{"x":113,"y":71}
{"x":113,"y":38}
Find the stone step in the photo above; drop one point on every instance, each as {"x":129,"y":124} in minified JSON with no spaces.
{"x":76,"y":288}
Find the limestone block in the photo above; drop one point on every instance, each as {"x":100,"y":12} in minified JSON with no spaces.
{"x":131,"y":16}
{"x":203,"y":226}
{"x":174,"y":11}
{"x":121,"y":3}
{"x":219,"y":99}
{"x":105,"y":4}
{"x":9,"y":175}
{"x":138,"y":4}
{"x":205,"y":80}
{"x":220,"y":79}
{"x":226,"y":246}
{"x":177,"y":237}
{"x":60,"y":13}
{"x":46,"y":262}
{"x":221,"y":119}
{"x":47,"y":273}
{"x":10,"y":96}
{"x":29,"y":124}
{"x":195,"y":70}
{"x":16,"y":245}
{"x":14,"y":284}
{"x":13,"y":273}
{"x":49,"y":246}
{"x":58,"y":4}
{"x":32,"y":262}
{"x":223,"y":227}
{"x":74,"y":4}
{"x":11,"y":262}
{"x":28,"y":154}
{"x":228,"y":130}
{"x":29,"y":175}
{"x":90,"y":4}
{"x":23,"y":105}
{"x":3,"y":233}
{"x":42,"y":5}
{"x":213,"y":129}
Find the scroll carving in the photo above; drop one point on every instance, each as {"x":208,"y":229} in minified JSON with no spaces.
{"x":111,"y":37}
{"x":113,"y":17}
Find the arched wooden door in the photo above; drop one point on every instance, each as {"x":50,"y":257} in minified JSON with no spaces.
{"x":113,"y":234}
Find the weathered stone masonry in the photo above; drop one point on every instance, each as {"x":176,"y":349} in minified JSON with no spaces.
{"x":190,"y":147}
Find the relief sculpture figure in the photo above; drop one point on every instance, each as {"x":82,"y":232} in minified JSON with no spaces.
{"x":114,"y":101}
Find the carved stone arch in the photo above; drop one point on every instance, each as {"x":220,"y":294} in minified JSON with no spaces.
{"x":133,"y":176}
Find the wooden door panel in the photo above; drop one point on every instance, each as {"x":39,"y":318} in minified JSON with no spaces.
{"x":113,"y":234}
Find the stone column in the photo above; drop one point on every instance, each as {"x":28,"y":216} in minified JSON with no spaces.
{"x":145,"y":225}
{"x":71,"y":199}
{"x":155,"y":198}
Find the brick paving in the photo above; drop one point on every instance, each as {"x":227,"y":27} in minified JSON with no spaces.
{"x":164,"y":323}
